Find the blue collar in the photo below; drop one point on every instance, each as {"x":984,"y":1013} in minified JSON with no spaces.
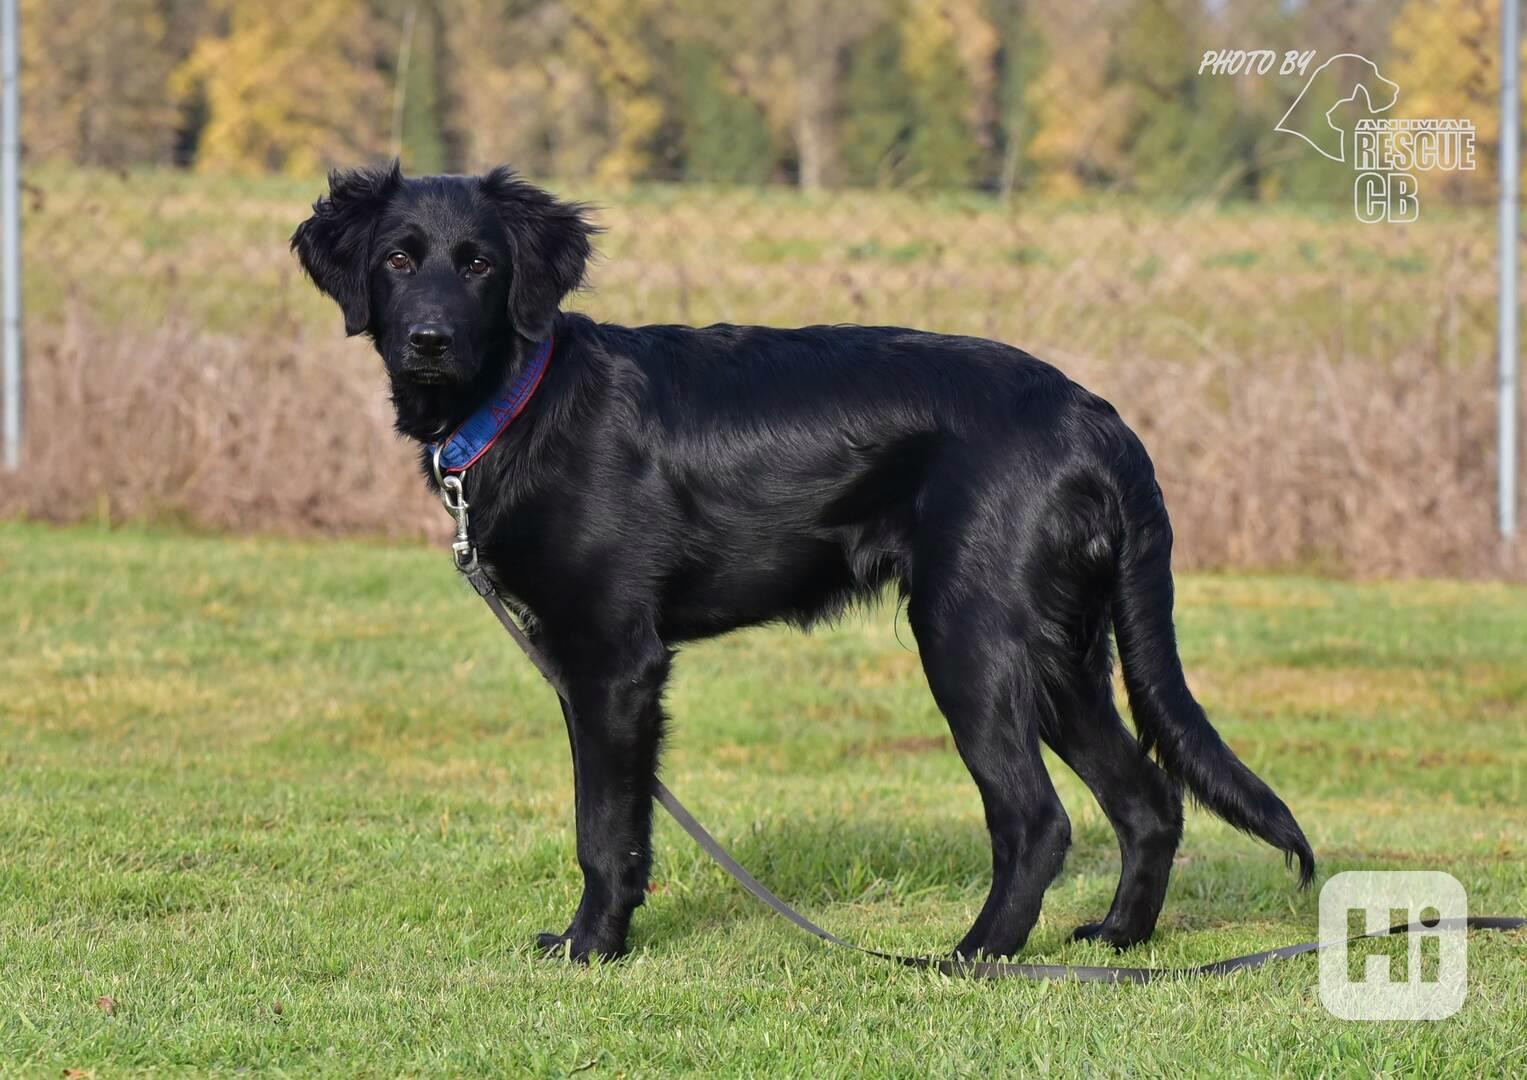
{"x":492,"y":418}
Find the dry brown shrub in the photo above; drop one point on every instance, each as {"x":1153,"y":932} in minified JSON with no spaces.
{"x":275,"y":432}
{"x":1342,"y":467}
{"x":1346,"y":468}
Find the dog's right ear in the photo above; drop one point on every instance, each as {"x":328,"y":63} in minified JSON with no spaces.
{"x":334,"y":245}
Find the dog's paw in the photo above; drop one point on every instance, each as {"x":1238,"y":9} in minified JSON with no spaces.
{"x":1109,"y":935}
{"x":577,"y":947}
{"x":970,"y":951}
{"x":554,"y":944}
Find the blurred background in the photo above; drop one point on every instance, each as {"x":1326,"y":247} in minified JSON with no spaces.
{"x":1318,"y":393}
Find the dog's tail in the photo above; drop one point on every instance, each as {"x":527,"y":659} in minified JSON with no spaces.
{"x":1165,"y":712}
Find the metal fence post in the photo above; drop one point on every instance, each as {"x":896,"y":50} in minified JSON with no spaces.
{"x":1510,"y":141}
{"x":10,"y":226}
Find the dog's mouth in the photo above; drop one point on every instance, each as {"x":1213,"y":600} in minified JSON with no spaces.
{"x":445,"y":369}
{"x":429,"y":377}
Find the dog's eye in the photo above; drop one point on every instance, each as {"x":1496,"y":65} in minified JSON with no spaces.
{"x":479,"y":265}
{"x":399,"y":261}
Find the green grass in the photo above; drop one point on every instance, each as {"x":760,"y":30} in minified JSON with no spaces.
{"x":301,"y":807}
{"x":1115,"y":279}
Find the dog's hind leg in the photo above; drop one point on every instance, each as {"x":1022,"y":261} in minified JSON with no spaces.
{"x":978,"y":675}
{"x":1068,"y":585}
{"x":1142,"y":803}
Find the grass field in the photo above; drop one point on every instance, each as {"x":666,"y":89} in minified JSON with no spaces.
{"x":1317,"y":394}
{"x":1113,"y":279}
{"x":270,"y":805}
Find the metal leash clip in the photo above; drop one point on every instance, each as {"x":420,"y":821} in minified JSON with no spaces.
{"x":454,"y":498}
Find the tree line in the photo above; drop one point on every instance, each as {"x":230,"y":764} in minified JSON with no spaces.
{"x":1055,"y":96}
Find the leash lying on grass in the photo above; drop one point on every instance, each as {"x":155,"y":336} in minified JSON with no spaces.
{"x":465,"y":555}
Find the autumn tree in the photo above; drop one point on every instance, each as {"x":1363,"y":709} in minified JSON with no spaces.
{"x":877,"y":112}
{"x":724,"y":136}
{"x":1447,"y":64}
{"x":1180,"y":135}
{"x":291,"y":85}
{"x":95,"y":79}
{"x":788,"y":60}
{"x":1075,"y":112}
{"x":419,"y":132}
{"x":1058,"y":96}
{"x":947,"y":50}
{"x":1019,"y":59}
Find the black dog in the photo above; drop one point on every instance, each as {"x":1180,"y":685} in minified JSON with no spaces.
{"x":667,"y":483}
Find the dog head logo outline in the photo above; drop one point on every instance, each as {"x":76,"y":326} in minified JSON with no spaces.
{"x":1348,"y":75}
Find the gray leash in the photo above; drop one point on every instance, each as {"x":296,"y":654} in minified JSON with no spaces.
{"x":465,"y":556}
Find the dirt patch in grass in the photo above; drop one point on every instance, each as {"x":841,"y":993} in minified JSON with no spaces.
{"x":909,"y":744}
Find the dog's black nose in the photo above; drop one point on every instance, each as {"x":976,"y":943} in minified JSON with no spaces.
{"x":430,"y":337}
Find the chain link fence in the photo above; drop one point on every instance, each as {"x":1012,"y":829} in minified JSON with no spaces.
{"x":1079,"y":179}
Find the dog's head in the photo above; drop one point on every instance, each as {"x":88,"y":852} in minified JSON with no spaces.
{"x":442,"y":272}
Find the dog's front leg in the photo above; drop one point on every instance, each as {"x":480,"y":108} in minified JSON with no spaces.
{"x":615,"y":722}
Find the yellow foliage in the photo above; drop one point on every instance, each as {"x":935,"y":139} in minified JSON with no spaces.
{"x":976,"y":40}
{"x":610,"y":32}
{"x":925,"y":34}
{"x":93,"y":95}
{"x":1447,"y":64}
{"x":293,"y":86}
{"x":1080,"y":123}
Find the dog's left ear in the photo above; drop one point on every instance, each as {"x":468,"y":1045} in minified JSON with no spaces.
{"x":551,"y":244}
{"x":334,"y":245}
